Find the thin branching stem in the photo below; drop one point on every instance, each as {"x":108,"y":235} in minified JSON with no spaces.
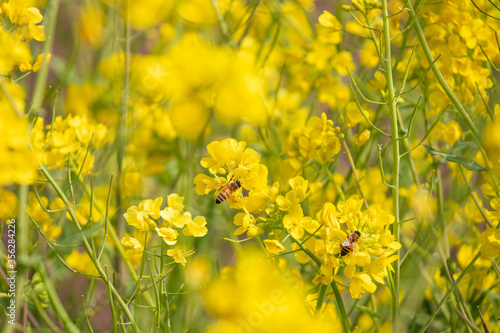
{"x":476,"y":202}
{"x":448,"y":293}
{"x":427,"y":133}
{"x":106,"y":218}
{"x":412,"y":119}
{"x":489,"y":60}
{"x":482,"y":320}
{"x":464,"y":318}
{"x":381,"y":167}
{"x":86,"y":316}
{"x":332,"y":180}
{"x":360,"y":108}
{"x":57,"y":305}
{"x":483,"y":12}
{"x":424,"y":75}
{"x":91,"y":254}
{"x":359,"y":90}
{"x":112,"y":307}
{"x":387,"y":61}
{"x":157,"y":295}
{"x":58,"y":256}
{"x":353,"y":167}
{"x":338,"y":298}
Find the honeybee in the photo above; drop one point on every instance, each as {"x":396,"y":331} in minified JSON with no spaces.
{"x":350,"y":244}
{"x":228,"y":190}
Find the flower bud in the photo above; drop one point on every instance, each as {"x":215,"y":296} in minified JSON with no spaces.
{"x":255,"y":232}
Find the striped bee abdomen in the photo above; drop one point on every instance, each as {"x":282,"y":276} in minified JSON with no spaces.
{"x":227,"y":191}
{"x":223,"y":195}
{"x":344,"y":250}
{"x":350,"y":243}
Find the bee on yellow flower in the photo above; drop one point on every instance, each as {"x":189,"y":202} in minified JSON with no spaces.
{"x":241,"y":165}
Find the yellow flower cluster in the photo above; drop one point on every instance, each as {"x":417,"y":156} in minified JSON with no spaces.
{"x":232,"y":160}
{"x":326,"y":58}
{"x":149,"y":216}
{"x":491,"y":242}
{"x":199,"y":78}
{"x":450,"y":132}
{"x":267,"y":210}
{"x":18,"y":162}
{"x":75,"y":136}
{"x":456,"y":31}
{"x":8,"y":204}
{"x":279,"y":212}
{"x":19,"y":23}
{"x":317,"y":140}
{"x":257,"y":296}
{"x":373,"y":254}
{"x":491,"y":141}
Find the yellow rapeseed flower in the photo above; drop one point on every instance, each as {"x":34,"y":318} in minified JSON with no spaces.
{"x":273,"y":246}
{"x":196,"y":227}
{"x":92,"y":23}
{"x":8,"y":204}
{"x":166,"y":223}
{"x":39,"y":61}
{"x":230,"y":157}
{"x":18,"y":162}
{"x":257,"y":296}
{"x":137,"y":218}
{"x":295,"y":222}
{"x":133,"y":249}
{"x":491,"y":242}
{"x":169,"y":235}
{"x":144,"y":14}
{"x":81,"y":262}
{"x":178,"y":256}
{"x":329,"y":21}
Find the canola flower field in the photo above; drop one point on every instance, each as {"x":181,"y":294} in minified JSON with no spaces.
{"x":250,"y":166}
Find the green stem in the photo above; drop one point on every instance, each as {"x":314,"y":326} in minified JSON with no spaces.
{"x":55,"y":301}
{"x":113,"y":234}
{"x":353,"y":168}
{"x":476,"y":202}
{"x":340,"y":304}
{"x":395,"y":153}
{"x":374,"y":308}
{"x":43,"y":314}
{"x":338,"y":298}
{"x":41,"y":78}
{"x":86,"y":316}
{"x":332,"y":180}
{"x":321,"y":298}
{"x":121,"y":131}
{"x":91,"y":254}
{"x":114,"y":315}
{"x":441,"y":215}
{"x":447,"y":295}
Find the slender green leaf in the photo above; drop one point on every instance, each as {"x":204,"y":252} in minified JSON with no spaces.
{"x":465,"y":162}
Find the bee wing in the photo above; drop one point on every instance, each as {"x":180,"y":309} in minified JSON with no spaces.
{"x":223,"y":182}
{"x":356,"y":249}
{"x":346,"y":242}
